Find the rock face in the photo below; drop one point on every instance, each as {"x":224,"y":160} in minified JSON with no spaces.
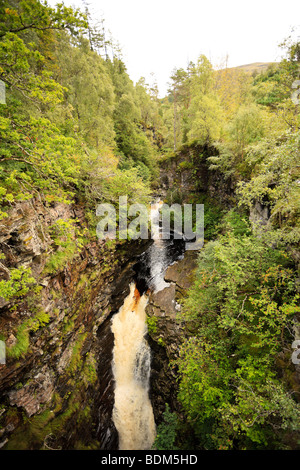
{"x":34,"y":393}
{"x":56,"y":388}
{"x":168,"y":332}
{"x":187,"y":172}
{"x":259,"y":215}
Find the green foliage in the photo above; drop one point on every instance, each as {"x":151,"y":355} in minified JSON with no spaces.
{"x":76,"y":359}
{"x":129,"y":183}
{"x":89,"y":371}
{"x":58,"y":260}
{"x":236,"y":223}
{"x":69,"y":112}
{"x":76,"y":129}
{"x":212,"y":217}
{"x":33,"y":15}
{"x":166,"y":431}
{"x":20,"y":282}
{"x":88,"y":111}
{"x":68,"y":240}
{"x":247,"y":126}
{"x":32,"y":324}
{"x":36,"y":158}
{"x":240,"y":310}
{"x":70,"y":121}
{"x":275,"y":183}
{"x":269,"y":88}
{"x":193,"y":111}
{"x":207,"y":118}
{"x":241,"y":305}
{"x":152,"y":324}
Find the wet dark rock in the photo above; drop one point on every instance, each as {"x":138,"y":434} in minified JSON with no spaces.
{"x":259,"y":215}
{"x":187,"y":172}
{"x":64,"y":376}
{"x":106,"y":432}
{"x":167,"y":336}
{"x":36,"y":392}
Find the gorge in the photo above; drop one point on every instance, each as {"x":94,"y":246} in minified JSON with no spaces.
{"x":93,"y":340}
{"x":133,"y":414}
{"x":123,"y":342}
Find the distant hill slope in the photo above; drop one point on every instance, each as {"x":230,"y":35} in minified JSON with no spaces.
{"x":255,"y":67}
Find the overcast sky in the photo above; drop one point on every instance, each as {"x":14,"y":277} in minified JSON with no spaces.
{"x":157,"y":35}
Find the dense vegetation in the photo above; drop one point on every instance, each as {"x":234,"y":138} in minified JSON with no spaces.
{"x":74,"y":126}
{"x":76,"y":129}
{"x":237,"y":382}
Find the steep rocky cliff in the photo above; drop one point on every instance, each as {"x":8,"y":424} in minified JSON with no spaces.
{"x":56,"y":388}
{"x":185,"y":175}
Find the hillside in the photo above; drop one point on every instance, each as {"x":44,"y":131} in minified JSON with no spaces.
{"x":254,"y":67}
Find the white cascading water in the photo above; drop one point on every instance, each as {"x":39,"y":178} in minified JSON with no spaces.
{"x":132,"y":413}
{"x":158,"y":258}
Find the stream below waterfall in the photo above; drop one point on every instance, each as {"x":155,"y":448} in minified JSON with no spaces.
{"x":132,"y":413}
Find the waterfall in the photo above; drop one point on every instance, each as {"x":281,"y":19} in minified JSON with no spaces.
{"x":157,"y":252}
{"x":132,"y":414}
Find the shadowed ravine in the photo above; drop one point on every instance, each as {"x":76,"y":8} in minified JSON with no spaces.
{"x":132,"y":414}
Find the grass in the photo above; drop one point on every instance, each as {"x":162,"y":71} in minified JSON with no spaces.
{"x":23,"y":340}
{"x":76,"y":354}
{"x":58,"y":260}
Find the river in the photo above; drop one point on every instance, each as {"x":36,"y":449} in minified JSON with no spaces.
{"x":133,"y":414}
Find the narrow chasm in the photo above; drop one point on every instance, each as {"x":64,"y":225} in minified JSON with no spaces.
{"x":132,"y":414}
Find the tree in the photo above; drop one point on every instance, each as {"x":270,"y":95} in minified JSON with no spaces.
{"x":233,"y":88}
{"x":178,"y":96}
{"x":61,"y":114}
{"x":166,"y":431}
{"x":32,"y":15}
{"x":240,"y":308}
{"x":207,"y":119}
{"x":90,"y":94}
{"x":205,"y":115}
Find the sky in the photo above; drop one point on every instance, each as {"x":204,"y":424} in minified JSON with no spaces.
{"x":156,"y":36}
